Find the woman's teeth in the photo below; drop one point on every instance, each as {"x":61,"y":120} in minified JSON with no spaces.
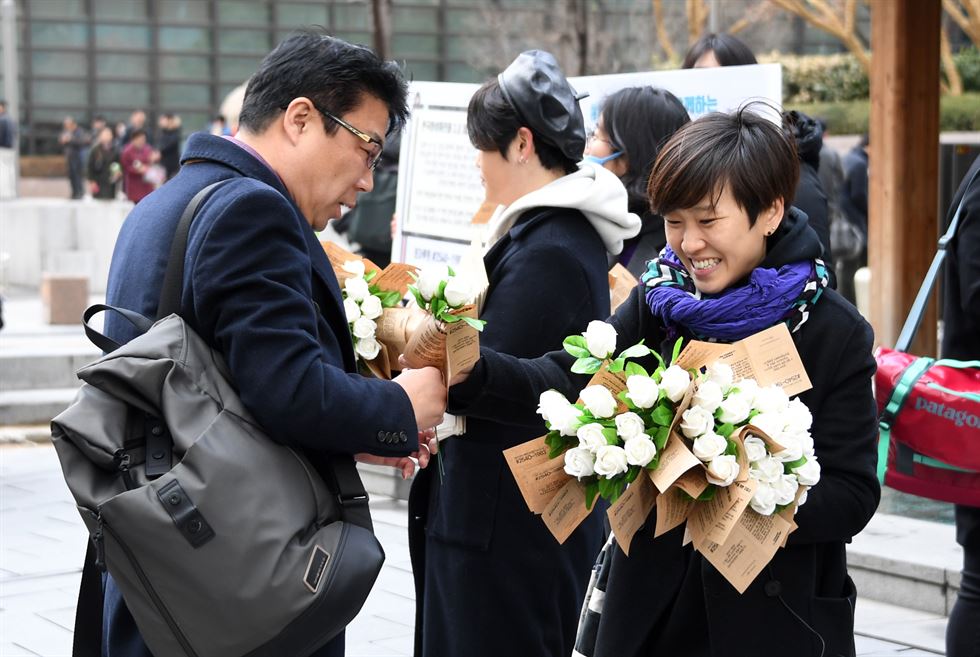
{"x":705,"y":264}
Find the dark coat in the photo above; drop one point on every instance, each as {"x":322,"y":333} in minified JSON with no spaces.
{"x":665,"y":599}
{"x":168,"y":143}
{"x":100,"y":171}
{"x":646,"y":246}
{"x":961,"y":310}
{"x":490,"y":578}
{"x":259,"y":289}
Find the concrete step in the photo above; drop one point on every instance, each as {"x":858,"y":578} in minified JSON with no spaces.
{"x":52,"y":368}
{"x":890,"y":623}
{"x":33,"y":406}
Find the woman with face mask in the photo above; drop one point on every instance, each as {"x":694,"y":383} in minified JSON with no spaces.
{"x":633,"y":125}
{"x":490,"y":578}
{"x":739,"y":260}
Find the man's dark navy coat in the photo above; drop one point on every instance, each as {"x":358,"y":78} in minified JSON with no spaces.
{"x":259,"y":288}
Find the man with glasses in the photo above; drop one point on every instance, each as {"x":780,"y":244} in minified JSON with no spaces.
{"x":258,"y":286}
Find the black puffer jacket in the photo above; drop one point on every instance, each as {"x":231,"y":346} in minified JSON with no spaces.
{"x":810,"y":195}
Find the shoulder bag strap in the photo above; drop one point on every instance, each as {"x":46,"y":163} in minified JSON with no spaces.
{"x":914,"y":318}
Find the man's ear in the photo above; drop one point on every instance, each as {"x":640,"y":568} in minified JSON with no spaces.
{"x":298,"y":118}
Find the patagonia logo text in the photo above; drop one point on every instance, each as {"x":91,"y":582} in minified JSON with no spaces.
{"x":959,"y":418}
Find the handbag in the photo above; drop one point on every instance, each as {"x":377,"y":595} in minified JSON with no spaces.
{"x":929,"y":439}
{"x":223,"y":542}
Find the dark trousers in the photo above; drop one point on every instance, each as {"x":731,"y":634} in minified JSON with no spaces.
{"x":121,"y":637}
{"x":963,"y":629}
{"x":76,"y":174}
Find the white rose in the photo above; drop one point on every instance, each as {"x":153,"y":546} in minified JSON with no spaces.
{"x":722,"y":470}
{"x":696,"y":421}
{"x":429,"y":279}
{"x":797,"y":416}
{"x":755,"y":449}
{"x":600,"y":339}
{"x":749,"y":388}
{"x":550,"y":402}
{"x":806,"y":441}
{"x":675,"y":381}
{"x":458,"y":292}
{"x":590,"y":437}
{"x":771,"y":399}
{"x":735,"y":409}
{"x":770,"y":424}
{"x":785,"y":487}
{"x":352,"y":310}
{"x":720,"y":374}
{"x":355,"y":267}
{"x":367,"y":348}
{"x":764,"y":499}
{"x":792,"y":447}
{"x":809,"y":472}
{"x":767,"y":470}
{"x":629,"y":425}
{"x":579,"y":462}
{"x":708,"y":396}
{"x":371,"y":307}
{"x":800,"y":502}
{"x":599,"y":401}
{"x":566,"y":420}
{"x":709,"y":445}
{"x":356,"y":289}
{"x":610,"y":460}
{"x":643,"y":391}
{"x":364,"y":328}
{"x":640,"y":451}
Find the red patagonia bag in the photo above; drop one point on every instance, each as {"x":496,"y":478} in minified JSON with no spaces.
{"x":929,"y":411}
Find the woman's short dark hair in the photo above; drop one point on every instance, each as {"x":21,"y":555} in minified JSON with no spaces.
{"x":492,"y":124}
{"x":638,"y":120}
{"x":334,"y":74}
{"x":744,"y":150}
{"x":729,"y":50}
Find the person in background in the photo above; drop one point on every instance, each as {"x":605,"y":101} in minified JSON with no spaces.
{"x":168,"y":141}
{"x":632,"y":126}
{"x":219,"y":126}
{"x":73,"y":141}
{"x":136,"y":159}
{"x":103,"y":168}
{"x":810,"y":196}
{"x":490,"y":578}
{"x":854,"y":205}
{"x":7,"y":128}
{"x":137,"y":121}
{"x":831,"y":173}
{"x":368,"y":225}
{"x":961,"y":341}
{"x":718,"y":49}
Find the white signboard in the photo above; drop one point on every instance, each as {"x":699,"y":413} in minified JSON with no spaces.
{"x":439,"y":188}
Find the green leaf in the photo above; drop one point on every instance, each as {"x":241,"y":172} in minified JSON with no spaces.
{"x":731,"y":448}
{"x":662,"y":415}
{"x":610,"y":488}
{"x":636,"y":351}
{"x":610,"y":435}
{"x":632,"y":473}
{"x":440,"y":292}
{"x":725,"y":430}
{"x":635,"y":369}
{"x":418,"y":297}
{"x":575,"y":345}
{"x":617,"y":365}
{"x":677,"y":350}
{"x":591,"y":490}
{"x":438,"y":307}
{"x":708,"y":494}
{"x":369,"y":276}
{"x":588,"y":365}
{"x":389,"y":299}
{"x":450,"y":270}
{"x":557,"y":444}
{"x":660,"y":359}
{"x":789,"y":467}
{"x":660,"y":439}
{"x":654,"y":462}
{"x":450,"y":319}
{"x":478,"y":324}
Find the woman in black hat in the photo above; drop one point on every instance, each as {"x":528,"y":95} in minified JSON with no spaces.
{"x":490,"y":577}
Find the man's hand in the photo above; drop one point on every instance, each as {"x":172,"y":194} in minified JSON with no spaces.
{"x":428,"y":445}
{"x":427,"y":392}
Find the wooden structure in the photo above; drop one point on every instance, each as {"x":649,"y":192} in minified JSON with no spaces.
{"x":903,"y":192}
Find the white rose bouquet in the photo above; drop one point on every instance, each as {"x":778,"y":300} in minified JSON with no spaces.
{"x":363,"y":305}
{"x":729,"y":419}
{"x":608,"y":439}
{"x":439,"y":291}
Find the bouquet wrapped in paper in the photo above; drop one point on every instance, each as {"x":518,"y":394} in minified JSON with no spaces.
{"x":728,"y":454}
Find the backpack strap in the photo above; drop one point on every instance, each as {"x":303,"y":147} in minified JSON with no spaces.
{"x":87,"y":639}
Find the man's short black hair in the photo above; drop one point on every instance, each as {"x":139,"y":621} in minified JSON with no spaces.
{"x":332,"y":73}
{"x":138,"y":132}
{"x":729,"y":50}
{"x":492,"y":124}
{"x":638,"y":120}
{"x":744,"y":150}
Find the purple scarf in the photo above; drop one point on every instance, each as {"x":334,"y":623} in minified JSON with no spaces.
{"x":770,"y":296}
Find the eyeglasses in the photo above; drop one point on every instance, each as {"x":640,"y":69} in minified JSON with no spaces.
{"x":374,"y":155}
{"x":591,"y":137}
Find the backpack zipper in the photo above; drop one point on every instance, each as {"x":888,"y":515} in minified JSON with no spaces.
{"x":157,"y":601}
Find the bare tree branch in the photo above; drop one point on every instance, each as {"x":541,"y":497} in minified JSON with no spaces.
{"x":966,"y":14}
{"x":663,"y":38}
{"x":955,"y":86}
{"x":824,"y":17}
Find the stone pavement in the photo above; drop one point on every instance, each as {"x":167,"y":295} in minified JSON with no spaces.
{"x":42,"y":542}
